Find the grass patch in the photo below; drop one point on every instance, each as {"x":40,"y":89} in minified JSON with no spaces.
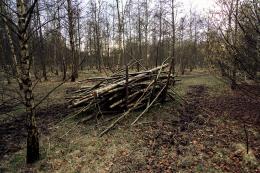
{"x":17,"y":161}
{"x":215,"y":86}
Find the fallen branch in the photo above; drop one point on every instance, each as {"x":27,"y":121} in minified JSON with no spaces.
{"x":146,"y":109}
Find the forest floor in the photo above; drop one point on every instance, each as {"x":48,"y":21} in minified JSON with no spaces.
{"x":204,"y":130}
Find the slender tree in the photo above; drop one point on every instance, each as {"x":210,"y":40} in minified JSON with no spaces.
{"x":24,"y":18}
{"x":74,"y":69}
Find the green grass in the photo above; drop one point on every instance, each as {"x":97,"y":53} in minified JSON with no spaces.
{"x":17,"y":161}
{"x":215,"y":85}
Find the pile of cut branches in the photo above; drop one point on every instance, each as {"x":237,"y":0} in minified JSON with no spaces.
{"x":122,"y":93}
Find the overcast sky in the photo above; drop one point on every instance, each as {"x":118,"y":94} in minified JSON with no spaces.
{"x":198,"y":4}
{"x":183,"y":9}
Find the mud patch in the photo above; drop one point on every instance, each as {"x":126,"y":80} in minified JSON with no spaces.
{"x":13,"y":133}
{"x":236,"y":106}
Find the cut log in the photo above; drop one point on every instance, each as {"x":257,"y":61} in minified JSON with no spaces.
{"x":102,"y":90}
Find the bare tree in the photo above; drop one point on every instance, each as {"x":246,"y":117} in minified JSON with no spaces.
{"x":24,"y":18}
{"x":40,"y":37}
{"x":74,"y":69}
{"x":11,"y":44}
{"x":120,"y":34}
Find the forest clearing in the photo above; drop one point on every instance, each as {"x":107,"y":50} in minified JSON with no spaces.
{"x":129,"y":86}
{"x":205,"y":135}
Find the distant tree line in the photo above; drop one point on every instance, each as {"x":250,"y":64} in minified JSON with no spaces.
{"x":67,"y":36}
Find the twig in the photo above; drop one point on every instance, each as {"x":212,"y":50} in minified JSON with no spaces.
{"x":141,"y":123}
{"x":148,"y":106}
{"x":126,"y":113}
{"x":247,"y":141}
{"x":70,"y":130}
{"x":75,"y":114}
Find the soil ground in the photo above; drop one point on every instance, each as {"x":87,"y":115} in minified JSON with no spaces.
{"x":204,"y":130}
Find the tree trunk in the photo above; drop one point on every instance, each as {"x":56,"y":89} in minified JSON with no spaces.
{"x":146,"y":34}
{"x":79,"y":38}
{"x":120,"y":42}
{"x":173,"y":38}
{"x":139,"y":37}
{"x":33,"y":135}
{"x":172,"y":68}
{"x":64,"y":68}
{"x":11,"y":44}
{"x":74,"y":70}
{"x":41,"y":51}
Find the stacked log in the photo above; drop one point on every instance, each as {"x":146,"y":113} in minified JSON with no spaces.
{"x":121,"y":92}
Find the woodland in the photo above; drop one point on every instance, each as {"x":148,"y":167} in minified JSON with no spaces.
{"x":129,"y":86}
